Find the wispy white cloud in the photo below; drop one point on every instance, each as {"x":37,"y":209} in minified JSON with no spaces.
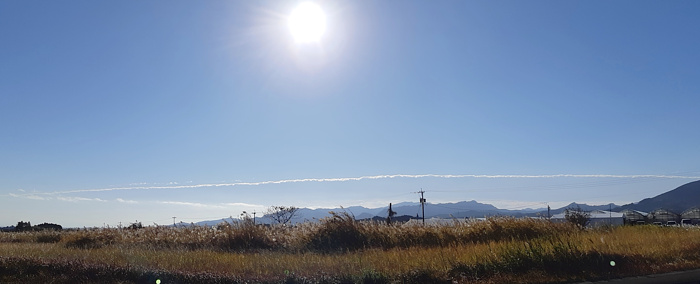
{"x":237,"y":204}
{"x":127,"y":201}
{"x":210,"y":205}
{"x":375,"y":177}
{"x":30,"y":196}
{"x":77,"y":199}
{"x":191,"y":204}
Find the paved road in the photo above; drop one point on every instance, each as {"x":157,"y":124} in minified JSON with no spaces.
{"x":679,"y":277}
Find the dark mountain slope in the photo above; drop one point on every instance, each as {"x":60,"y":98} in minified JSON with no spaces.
{"x":678,"y":200}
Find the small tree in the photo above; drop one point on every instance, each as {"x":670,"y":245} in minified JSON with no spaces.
{"x":245,"y":219}
{"x":282,"y":214}
{"x":577,"y":216}
{"x":23,"y":226}
{"x":49,"y":226}
{"x":135,"y":226}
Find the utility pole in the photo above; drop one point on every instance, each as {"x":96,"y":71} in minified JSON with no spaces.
{"x":422,"y":204}
{"x":174,"y":222}
{"x":390,"y":213}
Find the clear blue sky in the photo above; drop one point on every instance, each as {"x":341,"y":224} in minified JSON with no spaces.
{"x":147,"y":94}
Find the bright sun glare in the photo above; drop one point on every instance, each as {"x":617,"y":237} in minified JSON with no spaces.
{"x":307,"y":22}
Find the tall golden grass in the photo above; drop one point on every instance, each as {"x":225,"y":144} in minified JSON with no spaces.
{"x":340,"y":249}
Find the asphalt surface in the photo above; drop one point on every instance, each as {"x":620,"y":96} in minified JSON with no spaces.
{"x":678,"y":277}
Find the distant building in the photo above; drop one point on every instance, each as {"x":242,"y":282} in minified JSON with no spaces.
{"x":691,"y":216}
{"x":633,"y":217}
{"x":596,"y":218}
{"x":663,"y":217}
{"x":602,"y":217}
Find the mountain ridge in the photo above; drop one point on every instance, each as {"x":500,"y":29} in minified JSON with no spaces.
{"x":677,"y":200}
{"x":461,"y":209}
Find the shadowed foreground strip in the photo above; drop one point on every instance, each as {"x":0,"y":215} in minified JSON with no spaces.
{"x":14,"y":269}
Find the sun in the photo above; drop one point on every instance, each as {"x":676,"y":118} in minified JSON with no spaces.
{"x":307,"y":22}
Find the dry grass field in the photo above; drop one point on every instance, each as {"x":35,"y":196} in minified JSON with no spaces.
{"x":342,"y":250}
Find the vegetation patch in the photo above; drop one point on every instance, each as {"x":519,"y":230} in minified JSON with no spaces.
{"x":342,"y":250}
{"x":340,"y":232}
{"x":48,"y":237}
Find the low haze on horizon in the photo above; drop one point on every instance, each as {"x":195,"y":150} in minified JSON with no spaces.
{"x":114,"y":111}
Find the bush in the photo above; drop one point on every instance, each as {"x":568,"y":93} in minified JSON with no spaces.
{"x":49,"y":237}
{"x":243,"y":236}
{"x":135,"y":226}
{"x":90,"y":239}
{"x":340,"y":232}
{"x":84,"y":242}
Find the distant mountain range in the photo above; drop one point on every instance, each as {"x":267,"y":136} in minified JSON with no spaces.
{"x":677,"y":200}
{"x":471,"y":209}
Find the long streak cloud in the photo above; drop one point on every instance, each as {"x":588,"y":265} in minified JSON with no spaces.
{"x":375,"y":177}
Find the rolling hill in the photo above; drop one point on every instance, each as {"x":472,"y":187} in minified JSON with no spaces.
{"x":678,"y":200}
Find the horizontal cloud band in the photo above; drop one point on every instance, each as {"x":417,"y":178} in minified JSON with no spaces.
{"x":376,"y":177}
